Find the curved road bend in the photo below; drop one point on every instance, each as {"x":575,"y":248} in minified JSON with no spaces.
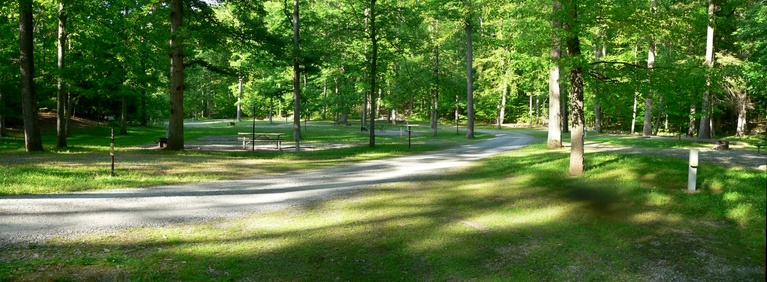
{"x":37,"y":217}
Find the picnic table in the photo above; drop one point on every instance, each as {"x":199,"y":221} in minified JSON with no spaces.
{"x":250,"y":137}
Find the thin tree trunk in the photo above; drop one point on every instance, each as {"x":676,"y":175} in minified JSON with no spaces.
{"x":435,"y":87}
{"x":705,"y":121}
{"x":296,"y":79}
{"x":530,"y":110}
{"x":239,"y":98}
{"x":469,"y":80}
{"x":176,"y":121}
{"x":124,"y":116}
{"x":373,"y":71}
{"x":32,"y":139}
{"x":599,"y":52}
{"x":647,"y":128}
{"x":660,"y":106}
{"x":61,"y":101}
{"x":555,"y":107}
{"x":691,"y":128}
{"x":324,"y":99}
{"x":3,"y":130}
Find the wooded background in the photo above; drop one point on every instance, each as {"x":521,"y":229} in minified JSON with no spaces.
{"x":693,"y":67}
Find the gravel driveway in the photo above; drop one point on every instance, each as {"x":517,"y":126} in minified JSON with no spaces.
{"x":38,"y":217}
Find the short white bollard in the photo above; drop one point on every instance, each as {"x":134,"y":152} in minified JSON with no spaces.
{"x":692,"y":174}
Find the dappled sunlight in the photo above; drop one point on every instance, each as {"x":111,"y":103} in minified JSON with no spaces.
{"x":654,"y":217}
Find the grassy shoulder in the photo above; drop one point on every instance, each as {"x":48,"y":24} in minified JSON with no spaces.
{"x":86,"y":164}
{"x":515,"y":217}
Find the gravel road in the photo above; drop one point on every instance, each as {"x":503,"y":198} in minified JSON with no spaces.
{"x":35,"y":218}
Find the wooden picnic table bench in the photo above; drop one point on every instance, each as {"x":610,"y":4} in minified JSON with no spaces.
{"x":250,"y":137}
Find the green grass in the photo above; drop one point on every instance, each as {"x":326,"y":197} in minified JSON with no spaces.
{"x":515,"y":217}
{"x":86,"y":164}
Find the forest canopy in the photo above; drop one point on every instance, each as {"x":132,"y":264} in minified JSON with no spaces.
{"x":645,"y":62}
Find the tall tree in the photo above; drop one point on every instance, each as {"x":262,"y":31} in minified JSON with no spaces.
{"x":555,"y":126}
{"x":704,"y":130}
{"x":373,"y":71}
{"x":176,"y":122}
{"x":296,"y":79}
{"x":647,"y":126}
{"x":32,"y":139}
{"x":61,"y":95}
{"x":575,"y":77}
{"x":469,"y":72}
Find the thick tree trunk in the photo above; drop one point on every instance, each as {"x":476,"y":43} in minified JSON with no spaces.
{"x":296,"y":80}
{"x":373,"y":72}
{"x":32,"y":139}
{"x":469,"y":81}
{"x":742,"y":111}
{"x":659,"y":115}
{"x":176,"y":121}
{"x":61,"y":95}
{"x":705,"y":121}
{"x":576,"y":90}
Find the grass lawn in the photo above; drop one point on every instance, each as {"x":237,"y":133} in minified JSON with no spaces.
{"x":514,"y":217}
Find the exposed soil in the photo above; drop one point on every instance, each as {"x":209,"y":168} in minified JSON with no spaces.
{"x":47,"y":120}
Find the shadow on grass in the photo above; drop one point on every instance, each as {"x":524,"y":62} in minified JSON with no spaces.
{"x":515,"y":217}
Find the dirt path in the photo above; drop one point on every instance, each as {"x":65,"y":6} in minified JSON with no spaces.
{"x":37,"y":217}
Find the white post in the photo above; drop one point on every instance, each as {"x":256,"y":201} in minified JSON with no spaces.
{"x":692,"y":174}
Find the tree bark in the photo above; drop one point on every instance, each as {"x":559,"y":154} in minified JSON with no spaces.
{"x":124,"y":116}
{"x":705,"y":121}
{"x":576,"y":92}
{"x":647,"y":128}
{"x":176,"y":121}
{"x":3,"y":130}
{"x":239,"y":98}
{"x":373,"y":71}
{"x":32,"y":138}
{"x":61,"y":96}
{"x":296,"y":79}
{"x":469,"y":79}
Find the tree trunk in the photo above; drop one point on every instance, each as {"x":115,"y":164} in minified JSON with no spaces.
{"x":599,"y":52}
{"x":61,"y":101}
{"x":705,"y":121}
{"x":636,"y":92}
{"x":469,"y":80}
{"x":435,"y":88}
{"x":647,"y":128}
{"x":324,"y":99}
{"x":576,"y":92}
{"x":296,"y":80}
{"x":32,"y":139}
{"x":530,"y":111}
{"x":176,"y":121}
{"x":659,"y":115}
{"x":124,"y":116}
{"x":373,"y":71}
{"x":239,"y":98}
{"x":3,"y":130}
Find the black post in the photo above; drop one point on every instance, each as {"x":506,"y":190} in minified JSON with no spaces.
{"x":112,"y":153}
